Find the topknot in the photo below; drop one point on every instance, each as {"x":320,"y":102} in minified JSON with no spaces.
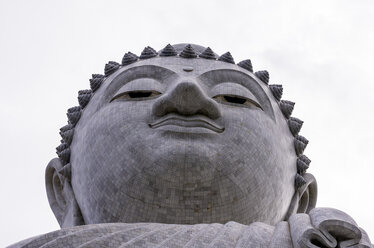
{"x":246,"y":64}
{"x":148,"y":52}
{"x":207,"y":54}
{"x":111,"y":67}
{"x":188,"y":52}
{"x":96,"y":81}
{"x":168,"y":51}
{"x":226,"y":57}
{"x":286,"y":107}
{"x":84,"y":97}
{"x":129,"y":58}
{"x":74,"y":114}
{"x":263,"y":75}
{"x":277,"y":90}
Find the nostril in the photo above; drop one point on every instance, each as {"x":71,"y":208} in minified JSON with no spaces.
{"x":186,"y":98}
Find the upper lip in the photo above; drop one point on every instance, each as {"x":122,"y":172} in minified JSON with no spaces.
{"x":187,"y":121}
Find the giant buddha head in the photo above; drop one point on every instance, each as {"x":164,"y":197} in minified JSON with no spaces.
{"x":180,"y":136}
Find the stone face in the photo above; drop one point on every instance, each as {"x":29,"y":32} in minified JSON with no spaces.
{"x":183,"y":154}
{"x":178,"y":149}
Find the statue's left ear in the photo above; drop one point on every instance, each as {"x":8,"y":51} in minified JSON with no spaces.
{"x":60,"y":194}
{"x":305,"y":197}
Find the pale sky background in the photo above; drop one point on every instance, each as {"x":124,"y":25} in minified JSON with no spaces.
{"x":321,"y":51}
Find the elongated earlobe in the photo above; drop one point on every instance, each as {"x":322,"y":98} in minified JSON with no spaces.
{"x":60,"y":194}
{"x":305,"y":197}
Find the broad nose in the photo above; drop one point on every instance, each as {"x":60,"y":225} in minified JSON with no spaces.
{"x":186,"y":98}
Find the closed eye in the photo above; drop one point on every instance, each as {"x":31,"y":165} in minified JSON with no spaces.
{"x":237,"y":100}
{"x":137,"y":95}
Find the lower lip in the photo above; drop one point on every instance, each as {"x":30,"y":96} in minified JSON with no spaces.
{"x":181,"y":129}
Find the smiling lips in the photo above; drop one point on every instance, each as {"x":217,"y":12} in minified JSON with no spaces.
{"x":186,"y":124}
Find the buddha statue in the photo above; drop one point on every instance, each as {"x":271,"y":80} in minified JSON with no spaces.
{"x":185,"y":148}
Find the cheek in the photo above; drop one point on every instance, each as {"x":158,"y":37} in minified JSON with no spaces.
{"x":109,"y":130}
{"x":262,"y":162}
{"x":250,"y":138}
{"x":106,"y":142}
{"x":260,"y":150}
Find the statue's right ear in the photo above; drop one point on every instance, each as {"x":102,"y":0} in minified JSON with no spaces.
{"x":61,"y":195}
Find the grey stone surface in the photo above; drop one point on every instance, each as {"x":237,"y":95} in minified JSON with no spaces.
{"x":318,"y":229}
{"x":179,"y":150}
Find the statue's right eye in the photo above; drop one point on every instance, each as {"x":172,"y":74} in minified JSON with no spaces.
{"x":137,"y":95}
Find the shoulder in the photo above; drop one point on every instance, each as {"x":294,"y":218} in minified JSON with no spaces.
{"x":322,"y":227}
{"x":326,"y":227}
{"x":231,"y":234}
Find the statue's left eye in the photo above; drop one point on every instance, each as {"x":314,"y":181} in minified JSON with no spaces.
{"x":137,"y":95}
{"x":237,"y":100}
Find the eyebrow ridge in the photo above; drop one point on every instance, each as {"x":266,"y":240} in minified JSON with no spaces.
{"x":151,"y":73}
{"x":138,"y":72}
{"x":212,"y":76}
{"x":206,"y":74}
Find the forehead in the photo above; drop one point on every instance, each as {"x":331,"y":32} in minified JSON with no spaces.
{"x":181,"y":66}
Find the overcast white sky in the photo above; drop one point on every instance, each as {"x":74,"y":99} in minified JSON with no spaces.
{"x":321,"y":51}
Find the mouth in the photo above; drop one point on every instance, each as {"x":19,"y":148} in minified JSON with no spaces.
{"x":182,"y":124}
